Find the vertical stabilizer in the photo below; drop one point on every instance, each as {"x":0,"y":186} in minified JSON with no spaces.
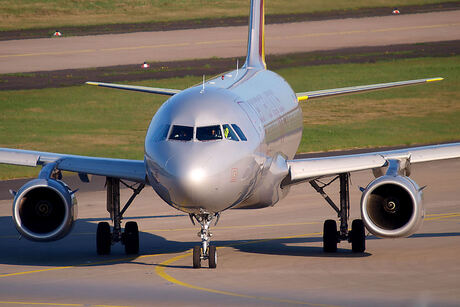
{"x":256,"y":38}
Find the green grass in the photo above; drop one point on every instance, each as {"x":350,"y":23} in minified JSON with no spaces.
{"x":103,"y":122}
{"x":26,"y":14}
{"x":402,"y":116}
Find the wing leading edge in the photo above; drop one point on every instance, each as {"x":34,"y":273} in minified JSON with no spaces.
{"x":312,"y":168}
{"x":117,"y":168}
{"x":359,"y":89}
{"x":145,"y":89}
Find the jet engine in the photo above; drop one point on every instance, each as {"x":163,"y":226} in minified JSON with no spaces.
{"x":391,"y":206}
{"x":44,"y":210}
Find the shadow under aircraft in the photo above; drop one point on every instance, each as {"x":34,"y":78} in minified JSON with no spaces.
{"x":78,"y":247}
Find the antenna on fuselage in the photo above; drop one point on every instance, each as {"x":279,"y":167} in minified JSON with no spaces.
{"x":202,"y":90}
{"x":237,"y":67}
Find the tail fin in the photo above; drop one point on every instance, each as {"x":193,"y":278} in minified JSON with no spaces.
{"x":256,"y":38}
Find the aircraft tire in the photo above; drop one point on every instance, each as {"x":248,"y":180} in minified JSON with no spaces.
{"x":330,"y":236}
{"x":131,"y":238}
{"x":197,"y":257}
{"x":103,"y":238}
{"x":212,"y":257}
{"x":358,"y":236}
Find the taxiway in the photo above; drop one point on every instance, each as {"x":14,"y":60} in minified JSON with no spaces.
{"x":267,"y":257}
{"x":135,"y":48}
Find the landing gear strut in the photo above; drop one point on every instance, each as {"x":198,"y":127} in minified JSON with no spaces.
{"x":331,"y":237}
{"x":130,"y":237}
{"x":205,"y":251}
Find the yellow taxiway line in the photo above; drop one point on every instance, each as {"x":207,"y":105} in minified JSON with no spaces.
{"x":442,"y":216}
{"x":160,"y":268}
{"x":54,"y":304}
{"x":78,"y":265}
{"x":160,"y":271}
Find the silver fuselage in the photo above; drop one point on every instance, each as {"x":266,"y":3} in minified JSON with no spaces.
{"x":211,"y":176}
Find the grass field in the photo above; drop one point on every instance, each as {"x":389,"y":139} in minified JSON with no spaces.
{"x":102,"y":122}
{"x":27,"y":14}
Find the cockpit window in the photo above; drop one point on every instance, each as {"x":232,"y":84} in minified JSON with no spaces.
{"x":208,"y":133}
{"x":161,"y":133}
{"x":229,"y":134}
{"x":239,"y":132}
{"x":181,"y":133}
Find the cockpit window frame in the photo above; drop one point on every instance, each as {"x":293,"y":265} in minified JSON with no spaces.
{"x":218,"y":126}
{"x":171,"y":129}
{"x":233,"y":129}
{"x":161,"y":132}
{"x":239,"y":132}
{"x":235,"y":137}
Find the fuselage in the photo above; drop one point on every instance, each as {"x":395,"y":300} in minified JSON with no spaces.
{"x":221,"y":144}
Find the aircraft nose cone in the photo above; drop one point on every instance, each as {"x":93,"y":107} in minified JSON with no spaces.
{"x":199,"y":182}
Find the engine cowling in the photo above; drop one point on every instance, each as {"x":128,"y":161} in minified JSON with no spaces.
{"x":44,"y":210}
{"x":392,"y":207}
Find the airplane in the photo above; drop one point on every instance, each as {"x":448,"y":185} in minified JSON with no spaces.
{"x":228,"y":143}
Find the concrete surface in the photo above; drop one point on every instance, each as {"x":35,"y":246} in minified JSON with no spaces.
{"x":118,"y":49}
{"x":285,"y":267}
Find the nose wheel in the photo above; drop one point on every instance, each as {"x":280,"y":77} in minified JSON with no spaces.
{"x":197,"y":257}
{"x":205,"y":251}
{"x":211,"y":256}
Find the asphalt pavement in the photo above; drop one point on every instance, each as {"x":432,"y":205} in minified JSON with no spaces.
{"x":267,"y":257}
{"x":135,"y":48}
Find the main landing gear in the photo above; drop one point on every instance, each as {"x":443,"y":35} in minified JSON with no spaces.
{"x":331,"y":237}
{"x":130,"y":237}
{"x":205,"y":251}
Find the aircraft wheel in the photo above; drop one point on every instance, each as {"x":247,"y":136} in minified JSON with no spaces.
{"x":103,"y":238}
{"x":212,"y":257}
{"x":197,"y":257}
{"x":330,"y":236}
{"x":131,"y":238}
{"x":358,"y":237}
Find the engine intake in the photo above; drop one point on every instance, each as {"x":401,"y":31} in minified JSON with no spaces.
{"x":44,"y":210}
{"x":391,"y":207}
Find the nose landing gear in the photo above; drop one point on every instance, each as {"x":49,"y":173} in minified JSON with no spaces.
{"x":205,"y":251}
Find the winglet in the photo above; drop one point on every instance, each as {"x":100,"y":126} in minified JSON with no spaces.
{"x":302,"y":98}
{"x":434,"y":79}
{"x":256,"y":36}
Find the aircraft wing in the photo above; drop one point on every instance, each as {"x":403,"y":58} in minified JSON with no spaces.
{"x":358,"y":89}
{"x":145,"y":89}
{"x":312,"y":168}
{"x":133,"y":170}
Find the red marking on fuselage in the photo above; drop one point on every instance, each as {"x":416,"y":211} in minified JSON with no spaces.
{"x":234,"y":174}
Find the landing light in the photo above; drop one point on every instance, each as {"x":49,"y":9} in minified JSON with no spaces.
{"x":196,"y":175}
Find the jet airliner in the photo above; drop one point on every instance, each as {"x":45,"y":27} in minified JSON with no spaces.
{"x":228,"y":143}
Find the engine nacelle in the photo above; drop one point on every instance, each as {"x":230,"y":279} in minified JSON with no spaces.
{"x":44,"y":210}
{"x":392,"y":207}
